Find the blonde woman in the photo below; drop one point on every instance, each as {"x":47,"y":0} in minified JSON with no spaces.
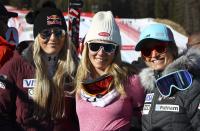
{"x":36,"y":87}
{"x":108,"y":92}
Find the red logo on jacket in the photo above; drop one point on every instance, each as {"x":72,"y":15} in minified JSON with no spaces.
{"x":105,"y":34}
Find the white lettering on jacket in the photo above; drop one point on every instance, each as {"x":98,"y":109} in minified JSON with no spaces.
{"x":29,"y":83}
{"x":164,"y":107}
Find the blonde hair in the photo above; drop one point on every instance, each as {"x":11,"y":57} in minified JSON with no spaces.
{"x":49,"y":93}
{"x":118,"y":69}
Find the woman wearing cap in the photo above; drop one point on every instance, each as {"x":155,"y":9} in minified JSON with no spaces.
{"x":108,"y":93}
{"x":172,"y":101}
{"x":35,"y":88}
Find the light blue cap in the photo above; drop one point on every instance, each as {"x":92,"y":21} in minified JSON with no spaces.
{"x":156,"y":32}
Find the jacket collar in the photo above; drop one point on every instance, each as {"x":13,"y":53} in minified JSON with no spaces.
{"x":27,"y":53}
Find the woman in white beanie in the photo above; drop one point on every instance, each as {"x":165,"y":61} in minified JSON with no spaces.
{"x":108,"y":92}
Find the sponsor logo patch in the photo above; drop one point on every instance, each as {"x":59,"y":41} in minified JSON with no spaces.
{"x":29,"y":83}
{"x":2,"y":85}
{"x":164,"y":107}
{"x":146,"y":109}
{"x":54,"y":20}
{"x":149,"y":97}
{"x":105,"y":34}
{"x":30,"y":93}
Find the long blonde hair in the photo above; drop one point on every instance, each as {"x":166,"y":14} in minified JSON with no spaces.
{"x":118,"y":69}
{"x":49,"y":93}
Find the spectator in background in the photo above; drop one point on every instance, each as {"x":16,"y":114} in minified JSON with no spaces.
{"x":23,"y":45}
{"x":6,"y":49}
{"x":36,"y":88}
{"x":81,"y":46}
{"x":172,"y":82}
{"x":194,"y":40}
{"x":108,"y":91}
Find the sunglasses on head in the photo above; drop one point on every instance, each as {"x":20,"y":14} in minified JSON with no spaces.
{"x":180,"y":80}
{"x":46,"y":33}
{"x":98,"y":87}
{"x":108,"y":48}
{"x":161,"y":48}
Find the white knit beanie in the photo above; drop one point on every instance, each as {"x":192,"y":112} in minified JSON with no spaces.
{"x":103,"y":28}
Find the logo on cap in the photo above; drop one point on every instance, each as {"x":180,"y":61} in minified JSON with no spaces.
{"x":148,"y":35}
{"x":105,"y":34}
{"x":54,"y":20}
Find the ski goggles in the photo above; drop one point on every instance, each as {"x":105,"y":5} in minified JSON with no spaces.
{"x":108,"y":48}
{"x":160,"y":48}
{"x":180,"y":80}
{"x":46,"y":33}
{"x":98,"y":87}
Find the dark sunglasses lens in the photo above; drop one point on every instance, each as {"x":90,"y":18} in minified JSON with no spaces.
{"x":146,"y":52}
{"x":58,"y":32}
{"x":160,"y":48}
{"x":109,"y":48}
{"x":181,"y":80}
{"x":45,"y":34}
{"x":94,"y":46}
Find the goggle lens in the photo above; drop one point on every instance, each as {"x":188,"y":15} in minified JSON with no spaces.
{"x":99,"y":86}
{"x":180,"y":80}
